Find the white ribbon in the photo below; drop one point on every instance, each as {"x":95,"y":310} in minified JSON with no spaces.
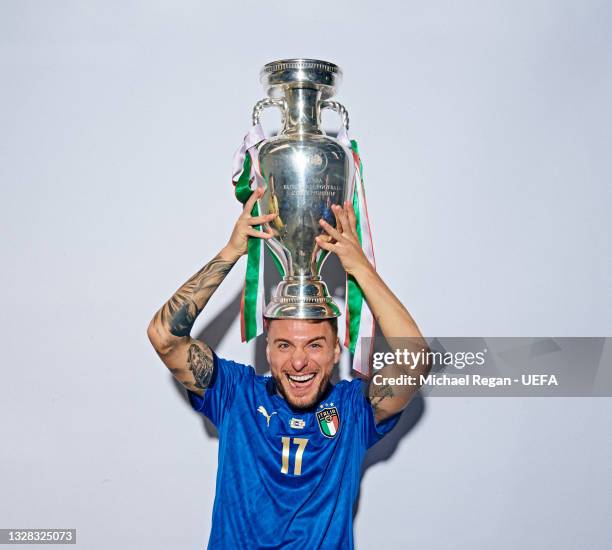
{"x":252,"y":138}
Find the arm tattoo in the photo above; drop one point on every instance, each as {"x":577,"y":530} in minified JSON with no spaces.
{"x":378,"y":394}
{"x":200,"y":364}
{"x":179,"y":313}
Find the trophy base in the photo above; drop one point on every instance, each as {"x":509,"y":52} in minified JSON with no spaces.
{"x":301,"y":298}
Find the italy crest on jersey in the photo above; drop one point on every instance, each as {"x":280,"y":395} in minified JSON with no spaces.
{"x":329,"y":421}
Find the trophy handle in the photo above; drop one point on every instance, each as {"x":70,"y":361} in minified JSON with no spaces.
{"x":268,"y":102}
{"x":339,"y":108}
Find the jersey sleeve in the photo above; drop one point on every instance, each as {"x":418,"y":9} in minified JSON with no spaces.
{"x":218,"y":397}
{"x":371,"y":432}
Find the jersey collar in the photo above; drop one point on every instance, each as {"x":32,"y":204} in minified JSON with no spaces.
{"x":272,"y":390}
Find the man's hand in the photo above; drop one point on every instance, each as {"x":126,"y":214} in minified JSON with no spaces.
{"x":238,"y":241}
{"x":343,"y":240}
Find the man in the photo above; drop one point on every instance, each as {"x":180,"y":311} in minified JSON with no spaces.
{"x":290,"y":445}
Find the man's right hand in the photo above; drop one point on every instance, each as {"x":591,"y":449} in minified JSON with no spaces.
{"x":238,"y":242}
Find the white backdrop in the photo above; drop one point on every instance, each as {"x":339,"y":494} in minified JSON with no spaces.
{"x":485,"y":134}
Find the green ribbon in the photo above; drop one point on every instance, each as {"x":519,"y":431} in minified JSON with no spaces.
{"x":355,"y":295}
{"x":251,"y":283}
{"x":243,"y":192}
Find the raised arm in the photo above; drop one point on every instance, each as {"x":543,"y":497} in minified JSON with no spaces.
{"x":393,"y":318}
{"x":190,"y":360}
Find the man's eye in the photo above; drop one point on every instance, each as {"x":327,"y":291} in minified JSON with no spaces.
{"x":283,"y":345}
{"x":316,"y":345}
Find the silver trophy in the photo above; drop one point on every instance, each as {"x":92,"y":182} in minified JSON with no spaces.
{"x":305,"y":172}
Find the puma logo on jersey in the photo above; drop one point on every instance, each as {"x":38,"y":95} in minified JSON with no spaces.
{"x":263,"y":411}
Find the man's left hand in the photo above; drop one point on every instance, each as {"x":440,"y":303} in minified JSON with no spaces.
{"x":343,"y":240}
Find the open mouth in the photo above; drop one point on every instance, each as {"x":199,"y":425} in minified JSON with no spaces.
{"x":301,"y":381}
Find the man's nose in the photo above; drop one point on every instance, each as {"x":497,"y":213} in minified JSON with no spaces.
{"x":299,"y":359}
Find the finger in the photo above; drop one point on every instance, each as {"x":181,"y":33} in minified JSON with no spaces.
{"x":351,"y":216}
{"x":330,"y":230}
{"x":325,"y":245}
{"x":342,"y":216}
{"x":248,"y":205}
{"x":325,"y":238}
{"x":272,"y":232}
{"x":334,"y":208}
{"x":258,"y":220}
{"x":259,"y":234}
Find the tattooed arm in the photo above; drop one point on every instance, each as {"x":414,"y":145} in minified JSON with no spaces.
{"x":403,"y":335}
{"x":393,"y":318}
{"x":190,"y":360}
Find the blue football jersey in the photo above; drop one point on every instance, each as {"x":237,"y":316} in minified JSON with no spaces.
{"x":285,"y":478}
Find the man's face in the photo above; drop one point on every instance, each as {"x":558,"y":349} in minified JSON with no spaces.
{"x":302,"y":355}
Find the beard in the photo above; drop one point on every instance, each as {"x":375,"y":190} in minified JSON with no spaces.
{"x":306,"y":402}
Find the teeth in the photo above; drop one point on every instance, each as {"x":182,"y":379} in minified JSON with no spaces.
{"x":302,"y":378}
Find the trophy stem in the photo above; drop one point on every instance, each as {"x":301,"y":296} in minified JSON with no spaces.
{"x":303,"y":114}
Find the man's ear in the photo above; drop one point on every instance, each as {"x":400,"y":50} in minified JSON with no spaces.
{"x":267,"y":350}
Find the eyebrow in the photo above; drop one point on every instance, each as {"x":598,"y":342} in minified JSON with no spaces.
{"x":276,"y":340}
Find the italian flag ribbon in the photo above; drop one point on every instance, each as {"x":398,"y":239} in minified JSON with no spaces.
{"x":246,"y":177}
{"x":359,"y":319}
